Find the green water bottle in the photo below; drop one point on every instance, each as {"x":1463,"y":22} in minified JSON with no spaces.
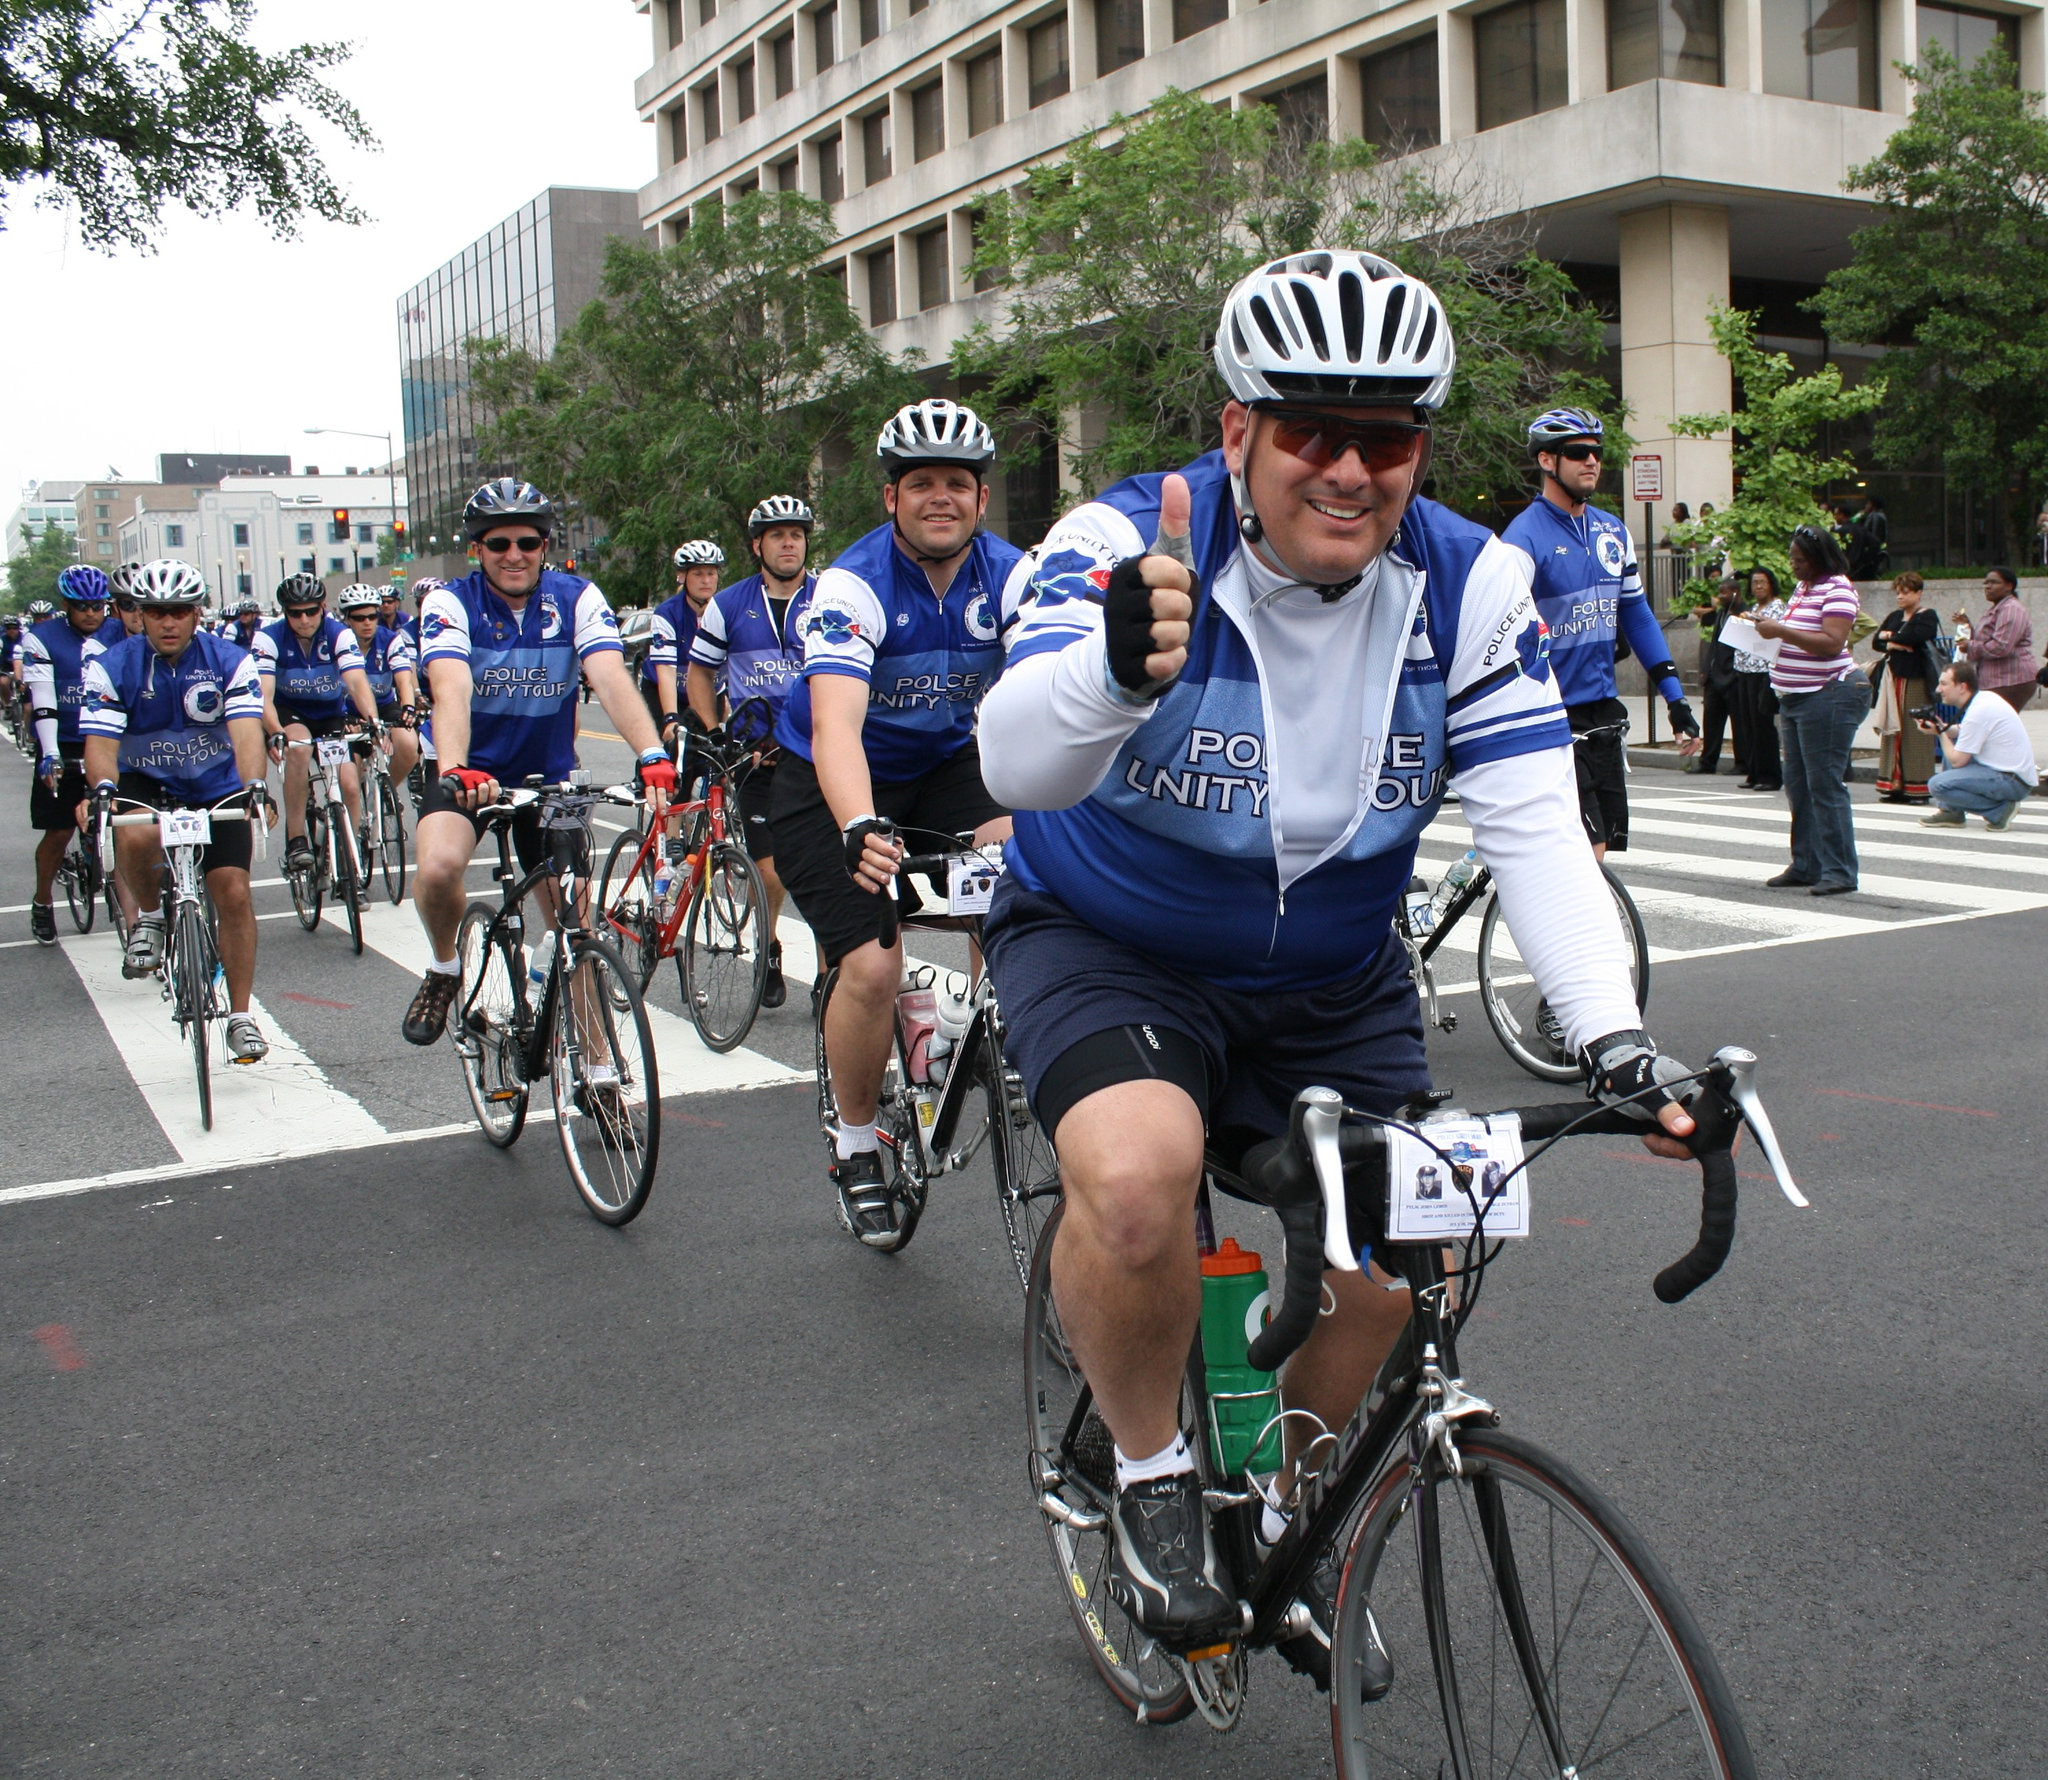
{"x":1242,"y":1400}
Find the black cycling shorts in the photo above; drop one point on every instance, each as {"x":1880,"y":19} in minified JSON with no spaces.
{"x":53,"y":811}
{"x":232,"y":846}
{"x":529,"y":839}
{"x":1602,"y":766}
{"x":750,"y":803}
{"x":810,"y":854}
{"x":313,"y":726}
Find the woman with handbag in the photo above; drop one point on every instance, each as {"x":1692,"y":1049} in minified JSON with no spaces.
{"x":1905,"y":675}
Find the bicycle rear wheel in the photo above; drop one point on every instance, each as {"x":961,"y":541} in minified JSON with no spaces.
{"x":607,"y":1094}
{"x":629,"y":917}
{"x":81,"y":882}
{"x":305,"y":878}
{"x":390,"y":840}
{"x":1521,"y":1019}
{"x":484,"y":1028}
{"x":1073,"y":1474}
{"x":192,"y":997}
{"x":1027,"y":1172}
{"x":1556,"y":1640}
{"x":724,"y":962}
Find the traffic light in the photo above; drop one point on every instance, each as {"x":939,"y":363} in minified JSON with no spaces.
{"x":398,"y":527}
{"x":340,"y":533}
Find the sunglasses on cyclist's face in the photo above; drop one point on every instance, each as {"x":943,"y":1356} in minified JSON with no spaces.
{"x":301,"y":611}
{"x":1321,"y":439}
{"x":169,"y":611}
{"x":124,"y":605}
{"x":1578,"y":452}
{"x":528,"y":544}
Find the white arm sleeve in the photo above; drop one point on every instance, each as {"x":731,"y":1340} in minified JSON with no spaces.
{"x":1049,"y":727}
{"x":1524,"y":811}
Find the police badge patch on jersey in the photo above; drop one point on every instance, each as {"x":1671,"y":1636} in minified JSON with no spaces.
{"x":1608,"y":549}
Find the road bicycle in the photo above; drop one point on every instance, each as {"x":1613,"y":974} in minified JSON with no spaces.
{"x":569,"y":1011}
{"x":383,"y":838}
{"x":927,"y":1127}
{"x":1528,"y":1627}
{"x":713,"y":902}
{"x":193,"y":981}
{"x":333,"y":861}
{"x":87,"y":884}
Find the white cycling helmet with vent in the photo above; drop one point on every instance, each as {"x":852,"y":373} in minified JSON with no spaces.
{"x":359,"y":598}
{"x":168,"y":583}
{"x":779,"y":509}
{"x":1335,"y":328}
{"x":935,"y":431}
{"x":699,"y":553}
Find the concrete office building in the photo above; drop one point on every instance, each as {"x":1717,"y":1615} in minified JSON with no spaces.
{"x":524,"y":281}
{"x":42,"y":505}
{"x":1674,"y":152}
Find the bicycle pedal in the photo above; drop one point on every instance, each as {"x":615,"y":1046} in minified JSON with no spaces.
{"x":1209,"y":1653}
{"x":498,"y":1096}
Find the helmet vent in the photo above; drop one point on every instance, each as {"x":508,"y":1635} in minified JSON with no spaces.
{"x":1390,"y":325}
{"x":1428,"y":335}
{"x":1263,"y":315}
{"x":1351,"y":313}
{"x":1311,"y":317}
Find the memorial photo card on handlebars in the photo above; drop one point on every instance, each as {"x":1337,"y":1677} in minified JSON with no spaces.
{"x":1440,"y":1182}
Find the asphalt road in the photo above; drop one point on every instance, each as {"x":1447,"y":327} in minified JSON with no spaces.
{"x":390,"y":1460}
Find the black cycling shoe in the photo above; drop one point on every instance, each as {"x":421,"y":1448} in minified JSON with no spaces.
{"x":427,"y":1018}
{"x":1165,"y":1570}
{"x":865,"y":1205}
{"x":1309,"y":1654}
{"x":42,"y":922}
{"x":774,"y":991}
{"x":298,"y":855}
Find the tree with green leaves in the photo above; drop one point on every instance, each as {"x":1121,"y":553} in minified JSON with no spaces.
{"x":710,"y":374}
{"x":1778,"y":476}
{"x":1115,"y":262}
{"x":33,"y":574}
{"x":116,"y":107}
{"x":1951,"y":276}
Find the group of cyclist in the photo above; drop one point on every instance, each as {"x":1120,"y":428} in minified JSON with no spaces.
{"x":1209,"y":718}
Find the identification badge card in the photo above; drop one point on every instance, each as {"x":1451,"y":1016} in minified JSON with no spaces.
{"x":1426,"y":1201}
{"x":184,"y":828}
{"x":971,"y":885}
{"x":333,"y":750}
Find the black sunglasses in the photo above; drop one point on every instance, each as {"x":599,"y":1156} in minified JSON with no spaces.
{"x":1318,"y":439}
{"x":301,"y":611}
{"x":529,"y":544}
{"x":1578,"y":453}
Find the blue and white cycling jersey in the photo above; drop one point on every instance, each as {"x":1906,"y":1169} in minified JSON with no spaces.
{"x":308,"y":675}
{"x":53,"y":657}
{"x":669,"y":641}
{"x":171,"y":717}
{"x":749,"y":655}
{"x":1195,"y":845}
{"x":525,"y":667}
{"x":388,"y":656}
{"x":926,"y":661}
{"x":1587,"y":588}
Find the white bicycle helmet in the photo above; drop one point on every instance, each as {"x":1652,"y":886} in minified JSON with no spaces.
{"x":699,"y":553}
{"x":779,"y":509}
{"x":358,"y":597}
{"x":934,"y":431}
{"x":1332,"y":328}
{"x":169,"y":583}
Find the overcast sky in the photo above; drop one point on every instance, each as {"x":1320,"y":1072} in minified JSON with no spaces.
{"x":225,"y":340}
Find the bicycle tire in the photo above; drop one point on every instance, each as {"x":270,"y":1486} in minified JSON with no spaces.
{"x":390,"y":840}
{"x":895,"y":1131}
{"x":1517,"y":1011}
{"x":192,"y":997}
{"x":1140,"y":1676}
{"x":723,"y":962}
{"x":350,"y":886}
{"x":80,"y":892}
{"x":117,"y":917}
{"x":305,"y":879}
{"x":627,"y":903}
{"x":610,"y":1135}
{"x":484,"y":1029}
{"x":1518,"y":1636}
{"x":1026,"y":1169}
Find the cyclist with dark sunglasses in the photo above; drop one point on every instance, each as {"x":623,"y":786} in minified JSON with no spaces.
{"x":1589,"y":592}
{"x":1229,"y":711}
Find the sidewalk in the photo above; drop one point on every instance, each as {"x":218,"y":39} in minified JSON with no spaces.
{"x":1862,"y":768}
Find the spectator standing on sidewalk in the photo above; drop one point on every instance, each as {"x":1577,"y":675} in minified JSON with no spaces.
{"x":1717,"y":684}
{"x":1878,"y":529}
{"x":1991,"y":762}
{"x":1754,"y":706}
{"x":1822,"y":699}
{"x":1905,"y":676}
{"x":2001,"y":647}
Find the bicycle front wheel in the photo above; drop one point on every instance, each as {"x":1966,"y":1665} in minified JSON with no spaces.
{"x":81,"y":887}
{"x":630,"y":916}
{"x":1027,"y":1172}
{"x":390,"y":841}
{"x":724,"y":964}
{"x":484,"y":1028}
{"x":1515,"y":1008}
{"x":192,"y":997}
{"x":607,"y":1096}
{"x":305,"y":879}
{"x":1556,"y":1641}
{"x":349,"y":883}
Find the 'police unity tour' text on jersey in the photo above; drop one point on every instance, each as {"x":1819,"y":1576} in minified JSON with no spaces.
{"x":748,"y":653}
{"x":1587,"y":588}
{"x":1180,"y":849}
{"x":525,"y":667}
{"x":926,"y":661}
{"x":171,"y":717}
{"x":308,"y":675}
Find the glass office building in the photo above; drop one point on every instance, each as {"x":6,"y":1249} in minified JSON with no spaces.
{"x":527,"y":278}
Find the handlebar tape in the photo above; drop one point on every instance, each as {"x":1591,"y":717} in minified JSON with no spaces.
{"x":1298,"y":1203}
{"x":1713,"y":1143}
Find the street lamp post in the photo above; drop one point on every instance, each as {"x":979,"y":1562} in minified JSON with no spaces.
{"x":390,"y":473}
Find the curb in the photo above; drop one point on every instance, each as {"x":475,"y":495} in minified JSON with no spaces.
{"x":1861,"y":772}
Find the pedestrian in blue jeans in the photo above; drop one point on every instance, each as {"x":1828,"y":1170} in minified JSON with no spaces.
{"x":1822,"y":699}
{"x":1991,"y":766}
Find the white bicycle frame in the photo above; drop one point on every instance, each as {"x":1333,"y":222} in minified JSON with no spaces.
{"x":329,"y":753}
{"x":181,"y":854}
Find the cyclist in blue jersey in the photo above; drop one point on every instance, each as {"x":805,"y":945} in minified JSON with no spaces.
{"x":500,"y":652}
{"x":174,"y":717}
{"x":248,"y":620}
{"x":1229,"y":713}
{"x":391,"y":612}
{"x":313,"y":685}
{"x":52,"y":667}
{"x":392,"y":669}
{"x":1589,"y":592}
{"x":905,"y":634}
{"x":697,"y":565}
{"x":749,"y":645}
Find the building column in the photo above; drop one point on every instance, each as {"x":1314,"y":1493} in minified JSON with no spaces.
{"x":1674,"y":268}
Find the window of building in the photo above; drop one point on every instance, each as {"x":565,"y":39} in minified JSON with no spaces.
{"x":1519,"y":60}
{"x":707,"y":111}
{"x":245,"y":584}
{"x":307,"y":565}
{"x":785,"y":175}
{"x":337,"y":565}
{"x":101,"y":513}
{"x":305,"y":534}
{"x":1663,"y":40}
{"x":1045,"y":56}
{"x":103,"y":531}
{"x":874,"y":146}
{"x":174,"y":537}
{"x":1400,"y":92}
{"x":831,"y":171}
{"x":984,"y":92}
{"x":882,"y":285}
{"x":1303,"y":109}
{"x":825,"y":34}
{"x":782,"y":60}
{"x":105,"y":494}
{"x":242,"y":537}
{"x":931,"y":269}
{"x":1822,"y":49}
{"x":1967,"y":35}
{"x":678,"y":134}
{"x":928,"y":121}
{"x":1119,"y":34}
{"x":673,"y":12}
{"x":1190,"y":16}
{"x":870,"y":20}
{"x":978,"y":226}
{"x":366,"y":534}
{"x":707,"y":10}
{"x":743,"y":89}
{"x":104,"y":549}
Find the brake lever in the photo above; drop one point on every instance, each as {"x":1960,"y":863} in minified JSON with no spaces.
{"x":1322,"y":1117}
{"x":1741,"y":1069}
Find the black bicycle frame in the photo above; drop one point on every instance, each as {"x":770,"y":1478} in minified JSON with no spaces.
{"x":1470,"y":892}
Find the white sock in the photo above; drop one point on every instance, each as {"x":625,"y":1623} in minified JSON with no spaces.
{"x":445,"y":967}
{"x":1168,"y":1461}
{"x":854,"y":1140}
{"x":1272,"y":1524}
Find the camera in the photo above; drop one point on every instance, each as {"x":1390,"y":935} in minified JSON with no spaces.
{"x":1925,"y":714}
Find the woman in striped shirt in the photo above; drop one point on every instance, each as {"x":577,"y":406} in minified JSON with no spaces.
{"x":1822,"y":700}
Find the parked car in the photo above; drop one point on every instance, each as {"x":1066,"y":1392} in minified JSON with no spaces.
{"x":636,"y":631}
